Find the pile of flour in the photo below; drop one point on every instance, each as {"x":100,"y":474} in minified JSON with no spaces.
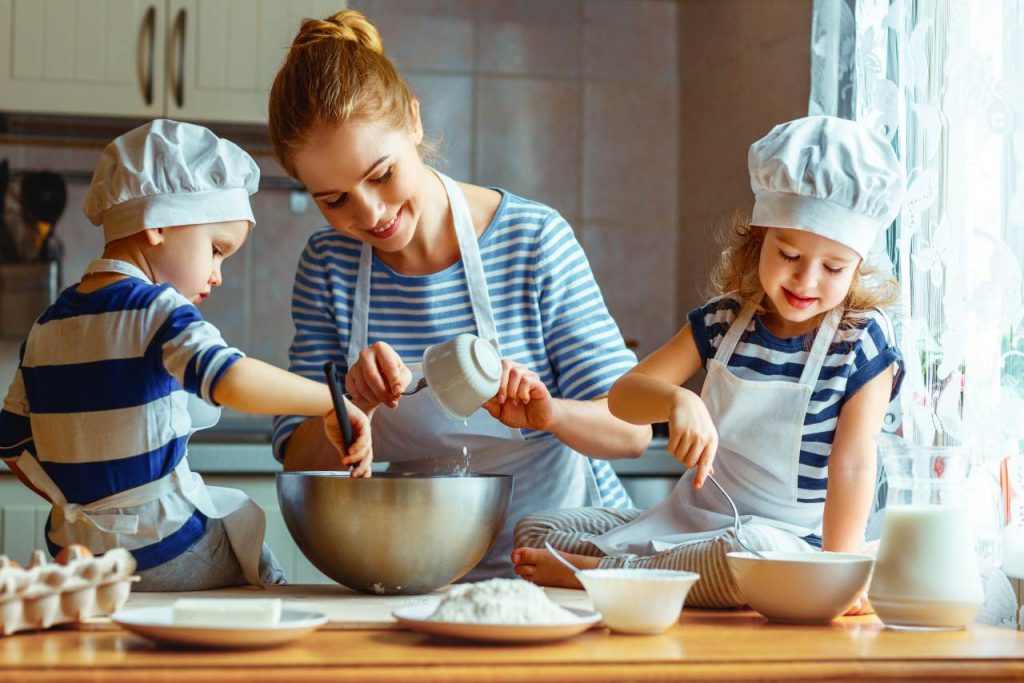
{"x":500,"y":601}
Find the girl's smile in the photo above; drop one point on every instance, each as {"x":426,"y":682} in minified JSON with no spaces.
{"x":797,"y":301}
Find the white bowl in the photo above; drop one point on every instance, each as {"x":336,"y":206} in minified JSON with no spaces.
{"x":462,"y":373}
{"x":801,"y":588}
{"x":637,"y":600}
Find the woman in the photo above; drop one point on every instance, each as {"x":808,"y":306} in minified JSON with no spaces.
{"x":412,"y":258}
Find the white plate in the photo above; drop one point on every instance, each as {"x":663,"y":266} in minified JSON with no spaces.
{"x":418,"y":618}
{"x":156,"y":623}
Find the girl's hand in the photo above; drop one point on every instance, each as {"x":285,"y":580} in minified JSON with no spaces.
{"x":692,"y":437}
{"x":862,"y":606}
{"x":522,"y":401}
{"x":379,"y":376}
{"x":360,"y":453}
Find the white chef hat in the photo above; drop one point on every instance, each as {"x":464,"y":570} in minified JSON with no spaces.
{"x":167,"y":173}
{"x":830,"y":176}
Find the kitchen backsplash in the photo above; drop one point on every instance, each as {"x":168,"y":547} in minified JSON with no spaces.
{"x":574,"y":103}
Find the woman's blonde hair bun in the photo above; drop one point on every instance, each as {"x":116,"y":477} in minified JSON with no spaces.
{"x":348,"y":24}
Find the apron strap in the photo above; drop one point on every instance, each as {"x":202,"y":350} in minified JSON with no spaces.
{"x":109,"y":265}
{"x":93,"y":512}
{"x":469,"y":245}
{"x":732,"y":336}
{"x":472,"y":263}
{"x":819,"y":350}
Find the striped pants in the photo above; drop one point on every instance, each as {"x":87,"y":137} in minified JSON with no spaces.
{"x":571,"y":530}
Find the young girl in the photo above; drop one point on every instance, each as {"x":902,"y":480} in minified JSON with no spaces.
{"x":800,"y":368}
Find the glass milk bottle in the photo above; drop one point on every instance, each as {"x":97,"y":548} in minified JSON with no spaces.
{"x":926,"y":575}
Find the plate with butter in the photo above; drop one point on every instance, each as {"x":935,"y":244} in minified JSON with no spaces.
{"x":220,"y":623}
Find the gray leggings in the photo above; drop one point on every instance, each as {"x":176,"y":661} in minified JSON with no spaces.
{"x":572,"y":530}
{"x":208,"y":563}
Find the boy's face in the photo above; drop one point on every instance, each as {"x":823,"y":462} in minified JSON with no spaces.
{"x":190,"y":256}
{"x":804,"y":275}
{"x":367,"y":179}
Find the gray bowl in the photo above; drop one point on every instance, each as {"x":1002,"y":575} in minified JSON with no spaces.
{"x":393,"y":533}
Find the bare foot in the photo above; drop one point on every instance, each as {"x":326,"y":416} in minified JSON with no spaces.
{"x":540,"y":566}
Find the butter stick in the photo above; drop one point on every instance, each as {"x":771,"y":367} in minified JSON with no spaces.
{"x":237,"y":612}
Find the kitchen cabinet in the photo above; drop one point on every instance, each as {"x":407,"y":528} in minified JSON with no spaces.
{"x":207,"y":60}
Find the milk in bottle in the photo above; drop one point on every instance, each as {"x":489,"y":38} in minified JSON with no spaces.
{"x":926,"y":575}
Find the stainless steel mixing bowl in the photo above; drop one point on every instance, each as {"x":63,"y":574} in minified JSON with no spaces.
{"x":393,"y":533}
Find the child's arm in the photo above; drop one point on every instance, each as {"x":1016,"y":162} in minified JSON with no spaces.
{"x":252,"y":386}
{"x":852,"y":465}
{"x":652,"y":392}
{"x":852,"y":471}
{"x":16,"y":431}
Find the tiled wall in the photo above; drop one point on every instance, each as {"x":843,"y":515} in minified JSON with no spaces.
{"x":570,"y":102}
{"x":631,"y":117}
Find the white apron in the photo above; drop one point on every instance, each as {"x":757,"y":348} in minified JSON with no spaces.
{"x":760,"y":429}
{"x":420,"y":437}
{"x":243,"y":520}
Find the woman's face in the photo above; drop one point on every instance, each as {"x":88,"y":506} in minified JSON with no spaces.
{"x":367,"y":180}
{"x":804,"y":275}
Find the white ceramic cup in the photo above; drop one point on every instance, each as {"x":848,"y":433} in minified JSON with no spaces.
{"x":462,"y":373}
{"x":642,"y":601}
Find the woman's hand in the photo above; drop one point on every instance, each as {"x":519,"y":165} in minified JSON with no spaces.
{"x":360,"y":453}
{"x":522,"y":401}
{"x":692,"y":437}
{"x":379,"y":376}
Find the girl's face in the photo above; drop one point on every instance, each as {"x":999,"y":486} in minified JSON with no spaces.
{"x":367,"y":179}
{"x":190,"y":256}
{"x":804,"y":275}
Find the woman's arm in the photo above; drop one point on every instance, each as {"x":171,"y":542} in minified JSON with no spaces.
{"x":852,"y":466}
{"x":308,"y":448}
{"x":524,"y":402}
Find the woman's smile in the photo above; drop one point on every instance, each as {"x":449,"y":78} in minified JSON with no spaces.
{"x":388,"y":229}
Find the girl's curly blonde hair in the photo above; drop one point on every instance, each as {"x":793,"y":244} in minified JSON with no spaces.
{"x":737,"y":272}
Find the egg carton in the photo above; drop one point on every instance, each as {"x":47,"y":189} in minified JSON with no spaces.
{"x":78,"y":587}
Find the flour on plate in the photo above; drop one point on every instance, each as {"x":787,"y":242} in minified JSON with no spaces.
{"x":500,"y":601}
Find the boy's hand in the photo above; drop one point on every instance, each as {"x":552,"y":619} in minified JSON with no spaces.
{"x":379,"y":376}
{"x":360,"y":453}
{"x":692,"y":437}
{"x":522,"y":401}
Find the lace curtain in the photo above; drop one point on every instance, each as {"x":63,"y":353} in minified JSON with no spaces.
{"x":944,"y":81}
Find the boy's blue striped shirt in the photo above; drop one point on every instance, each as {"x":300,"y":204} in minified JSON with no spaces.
{"x":99,"y":399}
{"x":548,"y":309}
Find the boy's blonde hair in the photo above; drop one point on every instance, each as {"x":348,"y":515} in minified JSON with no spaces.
{"x":737,"y":272}
{"x":336,"y":71}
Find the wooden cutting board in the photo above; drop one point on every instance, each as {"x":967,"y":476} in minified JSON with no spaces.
{"x":345,"y":609}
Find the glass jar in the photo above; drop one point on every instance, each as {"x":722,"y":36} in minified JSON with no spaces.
{"x":926,"y":575}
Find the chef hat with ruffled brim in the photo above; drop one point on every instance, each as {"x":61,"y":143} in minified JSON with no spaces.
{"x":167,"y":173}
{"x":830,"y":176}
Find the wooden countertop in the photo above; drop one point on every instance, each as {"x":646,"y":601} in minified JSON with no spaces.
{"x":705,"y":645}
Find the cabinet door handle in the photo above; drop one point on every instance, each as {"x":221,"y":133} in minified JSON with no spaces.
{"x":179,"y":40}
{"x":149,"y":28}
